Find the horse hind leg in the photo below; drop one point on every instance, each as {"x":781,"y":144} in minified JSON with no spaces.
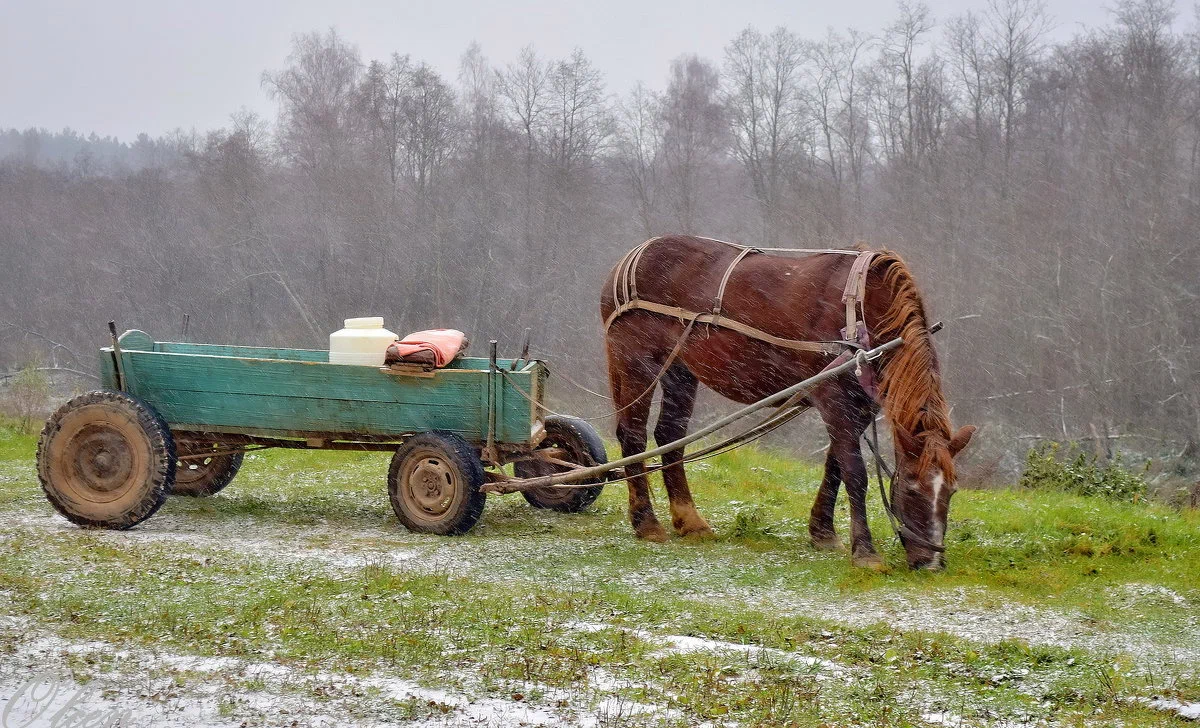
{"x":679,"y":396}
{"x":630,"y":396}
{"x":820,"y":520}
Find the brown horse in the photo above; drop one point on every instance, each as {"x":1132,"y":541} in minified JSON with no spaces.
{"x":796,"y":298}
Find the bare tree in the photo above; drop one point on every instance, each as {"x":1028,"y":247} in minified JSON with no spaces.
{"x":578,"y":123}
{"x":836,"y":99}
{"x":898,"y":59}
{"x":639,"y":151}
{"x":969,"y":58}
{"x":480,"y":106}
{"x":1013,"y":42}
{"x":316,"y":96}
{"x":384,"y":91}
{"x":762,"y":77}
{"x":429,"y":126}
{"x":694,"y":119}
{"x":524,"y":85}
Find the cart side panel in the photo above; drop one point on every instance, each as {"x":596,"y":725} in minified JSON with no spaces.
{"x":518,"y":398}
{"x":296,"y":396}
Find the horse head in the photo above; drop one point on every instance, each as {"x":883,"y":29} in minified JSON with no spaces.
{"x":921,"y":491}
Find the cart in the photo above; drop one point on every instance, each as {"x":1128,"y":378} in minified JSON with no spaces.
{"x":178,"y":418}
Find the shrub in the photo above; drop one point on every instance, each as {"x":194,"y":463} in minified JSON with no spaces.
{"x":749,"y":521}
{"x":28,"y":395}
{"x":1049,"y":467}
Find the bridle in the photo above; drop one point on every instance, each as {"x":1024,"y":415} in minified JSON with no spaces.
{"x":898,"y":526}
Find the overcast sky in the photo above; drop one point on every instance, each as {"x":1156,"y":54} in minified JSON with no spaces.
{"x":120,"y":67}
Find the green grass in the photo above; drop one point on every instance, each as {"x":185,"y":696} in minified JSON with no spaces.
{"x":300,"y":563}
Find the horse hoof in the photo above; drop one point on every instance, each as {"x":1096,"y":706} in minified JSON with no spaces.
{"x":655,"y":533}
{"x":692,"y":526}
{"x":701,"y":533}
{"x":827,"y":543}
{"x":870,"y":561}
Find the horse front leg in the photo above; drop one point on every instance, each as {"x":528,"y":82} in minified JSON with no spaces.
{"x":679,"y":396}
{"x":854,"y":474}
{"x":820,"y":519}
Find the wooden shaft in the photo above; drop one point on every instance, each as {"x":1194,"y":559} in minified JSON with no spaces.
{"x":780,"y":396}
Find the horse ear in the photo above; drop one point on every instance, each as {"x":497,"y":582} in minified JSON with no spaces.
{"x":961,"y":439}
{"x":908,"y":444}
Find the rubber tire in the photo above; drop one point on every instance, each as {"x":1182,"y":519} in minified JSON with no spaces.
{"x":150,"y":447}
{"x":219,"y":472}
{"x":458,"y":458}
{"x":586,"y":448}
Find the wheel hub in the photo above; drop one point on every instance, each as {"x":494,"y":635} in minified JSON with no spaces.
{"x":431,"y":485}
{"x":103,"y":458}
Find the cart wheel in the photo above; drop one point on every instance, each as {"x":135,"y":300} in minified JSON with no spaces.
{"x":106,"y":460}
{"x":434,"y":483}
{"x":583,"y":446}
{"x":202,"y":477}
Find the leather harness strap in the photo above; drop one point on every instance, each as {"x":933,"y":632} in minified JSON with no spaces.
{"x":626,"y":274}
{"x":822,"y":347}
{"x":856,"y":292}
{"x":725,"y":279}
{"x":626,"y":298}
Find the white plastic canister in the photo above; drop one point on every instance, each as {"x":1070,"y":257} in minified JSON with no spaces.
{"x":364,"y":342}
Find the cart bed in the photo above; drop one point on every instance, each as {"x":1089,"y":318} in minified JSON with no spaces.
{"x":296,"y":393}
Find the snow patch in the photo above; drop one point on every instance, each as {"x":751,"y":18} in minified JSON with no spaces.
{"x":1153,"y":591}
{"x":684,"y":644}
{"x":488,"y":711}
{"x":1187,"y":711}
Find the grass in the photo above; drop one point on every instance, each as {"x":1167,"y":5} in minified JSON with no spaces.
{"x":1054,"y":606}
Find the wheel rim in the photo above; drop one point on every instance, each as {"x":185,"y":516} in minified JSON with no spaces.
{"x":432,"y":485}
{"x":197,"y":469}
{"x":99,"y":461}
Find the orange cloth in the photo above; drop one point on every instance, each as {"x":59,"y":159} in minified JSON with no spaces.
{"x":443,"y":344}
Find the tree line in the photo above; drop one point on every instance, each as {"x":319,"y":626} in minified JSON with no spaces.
{"x":1045,"y":192}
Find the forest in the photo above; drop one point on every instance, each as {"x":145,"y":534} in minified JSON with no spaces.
{"x":1046,"y":192}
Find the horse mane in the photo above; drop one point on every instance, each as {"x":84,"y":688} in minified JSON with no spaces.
{"x":910,"y":383}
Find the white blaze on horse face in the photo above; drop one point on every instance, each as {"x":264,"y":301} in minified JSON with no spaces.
{"x":937,"y":483}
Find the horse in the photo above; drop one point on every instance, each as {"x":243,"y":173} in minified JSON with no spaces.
{"x":762,"y":301}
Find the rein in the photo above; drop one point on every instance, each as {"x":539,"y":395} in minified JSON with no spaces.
{"x":881,"y":467}
{"x":898,"y":525}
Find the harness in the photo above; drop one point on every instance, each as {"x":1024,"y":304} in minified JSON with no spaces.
{"x":625,"y":296}
{"x":855,"y":338}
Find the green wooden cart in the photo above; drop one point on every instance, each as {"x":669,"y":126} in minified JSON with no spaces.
{"x":179,"y":417}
